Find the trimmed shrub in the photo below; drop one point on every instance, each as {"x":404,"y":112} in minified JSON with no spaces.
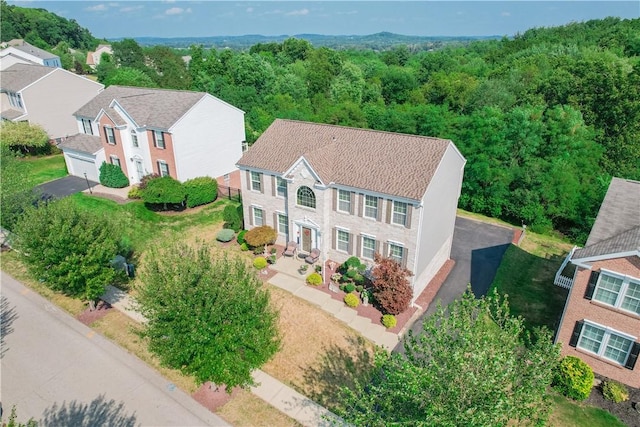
{"x":164,"y":190}
{"x":135,"y":193}
{"x":200,"y":191}
{"x":225,"y":235}
{"x":352,"y":263}
{"x":573,"y":378}
{"x":359,"y":288}
{"x":260,"y":262}
{"x":241,"y":237}
{"x":314,"y":279}
{"x":614,"y":391}
{"x":258,"y":250}
{"x":244,"y":246}
{"x":261,"y":236}
{"x":351,"y":300}
{"x":112,"y":176}
{"x":389,"y":321}
{"x":232,"y":216}
{"x":145,"y":180}
{"x":349,"y":287}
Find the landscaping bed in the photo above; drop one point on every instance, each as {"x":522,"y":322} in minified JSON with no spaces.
{"x":624,"y":411}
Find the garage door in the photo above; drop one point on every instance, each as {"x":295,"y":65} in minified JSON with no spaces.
{"x":78,"y":166}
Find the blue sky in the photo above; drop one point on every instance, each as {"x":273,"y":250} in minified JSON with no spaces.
{"x":174,"y":18}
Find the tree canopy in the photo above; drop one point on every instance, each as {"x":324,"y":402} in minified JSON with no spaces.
{"x":209,"y":317}
{"x":474,"y":365}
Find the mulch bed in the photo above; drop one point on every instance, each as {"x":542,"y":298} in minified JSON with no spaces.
{"x":89,"y":316}
{"x":625,"y":411}
{"x":213,"y":397}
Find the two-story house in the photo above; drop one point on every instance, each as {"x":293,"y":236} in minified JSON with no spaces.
{"x":601,"y":319}
{"x":348,"y":191}
{"x":93,"y":57}
{"x":178,"y":133}
{"x":45,"y":96}
{"x":28,"y":52}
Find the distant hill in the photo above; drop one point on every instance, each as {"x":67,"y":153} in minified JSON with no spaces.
{"x":378,"y":41}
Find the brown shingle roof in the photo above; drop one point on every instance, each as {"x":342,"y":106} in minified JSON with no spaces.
{"x":617,"y":226}
{"x":19,"y":76}
{"x":157,"y":108}
{"x":82,"y":142}
{"x":385,"y":162}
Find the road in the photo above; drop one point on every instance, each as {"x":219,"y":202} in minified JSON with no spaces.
{"x":60,"y":372}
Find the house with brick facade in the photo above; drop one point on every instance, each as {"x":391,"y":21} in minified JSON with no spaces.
{"x":349,"y":191}
{"x":178,"y":133}
{"x":601,"y":319}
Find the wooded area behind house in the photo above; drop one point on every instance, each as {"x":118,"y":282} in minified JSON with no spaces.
{"x":545,"y":119}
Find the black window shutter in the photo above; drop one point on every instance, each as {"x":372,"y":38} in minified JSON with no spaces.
{"x":633,"y":356}
{"x":593,"y":279}
{"x":576,"y":334}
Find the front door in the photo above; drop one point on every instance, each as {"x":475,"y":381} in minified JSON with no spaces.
{"x":306,"y":239}
{"x":140,"y":169}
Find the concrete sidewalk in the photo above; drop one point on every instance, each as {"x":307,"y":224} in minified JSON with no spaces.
{"x":283,"y":398}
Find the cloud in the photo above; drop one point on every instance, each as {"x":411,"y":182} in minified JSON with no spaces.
{"x":113,"y":4}
{"x":350,"y":12}
{"x":300,"y":12}
{"x":97,"y":8}
{"x":131,"y":8}
{"x":505,"y":14}
{"x":177,"y":11}
{"x":249,"y":10}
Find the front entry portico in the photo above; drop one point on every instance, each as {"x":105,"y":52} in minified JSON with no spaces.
{"x":306,"y":235}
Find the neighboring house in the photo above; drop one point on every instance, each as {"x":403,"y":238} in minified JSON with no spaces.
{"x":9,"y":59}
{"x":167,"y":132}
{"x":349,"y":191}
{"x":26,"y":51}
{"x":45,"y":96}
{"x":601,"y":319}
{"x":93,"y":58}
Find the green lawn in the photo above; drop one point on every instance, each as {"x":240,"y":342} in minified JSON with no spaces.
{"x":38,"y":170}
{"x":570,"y":414}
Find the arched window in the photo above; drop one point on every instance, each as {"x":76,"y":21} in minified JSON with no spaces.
{"x":306,"y":197}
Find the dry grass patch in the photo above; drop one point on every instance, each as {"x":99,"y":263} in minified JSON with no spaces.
{"x":248,"y":410}
{"x":319,"y":354}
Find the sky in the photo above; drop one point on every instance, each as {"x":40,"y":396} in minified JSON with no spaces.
{"x":174,"y":18}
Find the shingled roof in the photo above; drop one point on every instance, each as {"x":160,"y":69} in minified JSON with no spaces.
{"x":82,"y":142}
{"x":617,"y":226}
{"x":156,"y":108}
{"x":19,"y":76}
{"x":25,"y":47}
{"x":385,"y":162}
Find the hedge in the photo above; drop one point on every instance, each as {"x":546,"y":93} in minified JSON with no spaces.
{"x":164,"y":190}
{"x":112,"y":176}
{"x":200,"y":191}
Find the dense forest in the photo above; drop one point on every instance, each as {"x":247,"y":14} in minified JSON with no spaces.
{"x":545,"y":119}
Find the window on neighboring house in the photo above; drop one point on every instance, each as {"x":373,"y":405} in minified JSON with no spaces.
{"x":605,"y":343}
{"x":245,"y":146}
{"x":396,"y":252}
{"x":256,"y":181}
{"x":115,"y":161}
{"x":368,"y":247}
{"x":134,"y":138}
{"x":163,"y":168}
{"x":399,"y":213}
{"x":110,"y":134}
{"x":19,"y":98}
{"x":306,"y":197}
{"x":86,"y":127}
{"x":371,"y":207}
{"x":344,"y":201}
{"x":283,"y":224}
{"x":618,"y":291}
{"x":158,"y":139}
{"x":281,"y":187}
{"x":342,"y":240}
{"x":258,"y":216}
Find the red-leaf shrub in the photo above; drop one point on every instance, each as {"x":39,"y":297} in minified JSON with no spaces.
{"x":261,"y":236}
{"x":391,"y":285}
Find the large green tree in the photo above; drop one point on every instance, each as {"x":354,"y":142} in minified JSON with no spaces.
{"x":209,"y":317}
{"x":15,"y":192}
{"x":24,"y":137}
{"x":473,"y":365}
{"x":69,"y":249}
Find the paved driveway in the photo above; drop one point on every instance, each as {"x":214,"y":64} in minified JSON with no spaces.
{"x":477,"y":249}
{"x":66,"y":186}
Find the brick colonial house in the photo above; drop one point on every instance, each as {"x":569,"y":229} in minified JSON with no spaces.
{"x":601,"y":319}
{"x":178,"y":133}
{"x":348,"y":191}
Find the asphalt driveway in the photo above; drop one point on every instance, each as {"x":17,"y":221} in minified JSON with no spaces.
{"x":66,"y":186}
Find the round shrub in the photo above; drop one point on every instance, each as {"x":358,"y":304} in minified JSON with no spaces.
{"x":225,"y":235}
{"x":260,"y":262}
{"x":164,"y":190}
{"x":244,"y":246}
{"x":359,"y":288}
{"x":200,"y":191}
{"x":135,"y":193}
{"x":614,"y":391}
{"x":574,"y":378}
{"x":241,"y":237}
{"x":389,"y":321}
{"x":112,"y":176}
{"x":349,"y":287}
{"x":351,"y":300}
{"x":314,"y":279}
